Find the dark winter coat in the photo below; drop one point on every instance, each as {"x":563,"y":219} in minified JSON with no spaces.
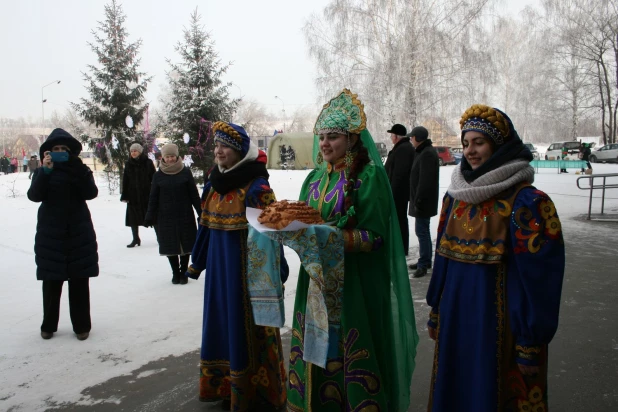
{"x":65,"y":245}
{"x":424,"y":182}
{"x":398,"y":165}
{"x":33,"y":164}
{"x":172,"y":201}
{"x":136,"y":182}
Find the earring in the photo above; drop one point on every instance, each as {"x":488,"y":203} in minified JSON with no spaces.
{"x":319,"y":159}
{"x":348,"y":159}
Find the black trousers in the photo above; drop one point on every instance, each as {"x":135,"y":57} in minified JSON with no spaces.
{"x":402,"y":216}
{"x":79,"y":304}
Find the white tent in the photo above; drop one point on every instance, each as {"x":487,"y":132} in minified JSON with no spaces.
{"x":300,"y":155}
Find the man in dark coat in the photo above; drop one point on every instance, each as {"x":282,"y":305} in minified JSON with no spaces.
{"x":65,"y":245}
{"x":424,"y":187}
{"x":136,"y":181}
{"x":33,"y":164}
{"x":398,"y":165}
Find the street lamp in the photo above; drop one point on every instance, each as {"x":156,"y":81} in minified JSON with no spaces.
{"x":43,"y":100}
{"x":282,"y":102}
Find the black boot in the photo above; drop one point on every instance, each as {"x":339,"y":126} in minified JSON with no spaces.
{"x":184,"y":264}
{"x":136,"y":240}
{"x":175,"y":269}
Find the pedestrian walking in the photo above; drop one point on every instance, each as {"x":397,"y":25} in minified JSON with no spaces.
{"x":424,"y":187}
{"x":65,"y":244}
{"x":243,"y":366}
{"x":398,"y":166}
{"x":33,"y":164}
{"x":136,"y":183}
{"x":495,"y":289}
{"x":173,"y":197}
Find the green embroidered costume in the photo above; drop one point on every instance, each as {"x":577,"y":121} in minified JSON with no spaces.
{"x":373,"y":366}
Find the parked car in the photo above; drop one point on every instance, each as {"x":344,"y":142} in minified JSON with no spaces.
{"x":457,"y":154}
{"x":445,"y":156}
{"x":533,"y":150}
{"x":382,"y":150}
{"x":554,"y":151}
{"x":607,"y":153}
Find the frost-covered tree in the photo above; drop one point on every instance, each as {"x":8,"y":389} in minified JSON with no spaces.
{"x":403,"y":57}
{"x":116,"y":88}
{"x":197,"y":95}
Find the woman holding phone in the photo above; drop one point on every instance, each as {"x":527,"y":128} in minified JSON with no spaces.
{"x":65,"y":244}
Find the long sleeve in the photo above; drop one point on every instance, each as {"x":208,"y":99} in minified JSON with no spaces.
{"x":371,"y":224}
{"x":39,"y":186}
{"x":87,"y":187}
{"x":535,"y":273}
{"x":125,"y":184}
{"x":200,"y":248}
{"x":153,"y":202}
{"x":194,"y":195}
{"x":438,"y":277}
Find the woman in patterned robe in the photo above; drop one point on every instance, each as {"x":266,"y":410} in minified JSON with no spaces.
{"x":374,"y":360}
{"x":497,"y":278}
{"x":241,"y":363}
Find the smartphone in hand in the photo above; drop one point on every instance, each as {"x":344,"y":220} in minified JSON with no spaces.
{"x":59,"y":156}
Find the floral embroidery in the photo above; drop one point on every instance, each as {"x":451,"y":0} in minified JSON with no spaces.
{"x":261,"y":377}
{"x":370,"y":382}
{"x":534,"y":232}
{"x":524,"y":405}
{"x":532,"y":400}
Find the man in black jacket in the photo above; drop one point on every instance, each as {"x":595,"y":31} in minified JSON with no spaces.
{"x":424,"y":187}
{"x":398,"y":165}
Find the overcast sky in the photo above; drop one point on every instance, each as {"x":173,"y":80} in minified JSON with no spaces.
{"x":43,"y":41}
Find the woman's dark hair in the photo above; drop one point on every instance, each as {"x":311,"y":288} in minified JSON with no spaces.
{"x":360,"y":160}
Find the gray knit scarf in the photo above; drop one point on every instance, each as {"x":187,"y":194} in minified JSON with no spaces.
{"x":172,"y":168}
{"x":491,"y":183}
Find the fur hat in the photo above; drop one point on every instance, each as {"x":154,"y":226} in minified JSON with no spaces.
{"x":137,"y":147}
{"x":489,"y":121}
{"x":232,"y":135}
{"x":169,"y":149}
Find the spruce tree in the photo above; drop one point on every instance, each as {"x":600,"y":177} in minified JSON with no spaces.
{"x":116,"y":88}
{"x":197,"y":97}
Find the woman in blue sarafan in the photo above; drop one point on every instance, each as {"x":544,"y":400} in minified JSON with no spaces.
{"x":240,"y":363}
{"x":497,"y":279}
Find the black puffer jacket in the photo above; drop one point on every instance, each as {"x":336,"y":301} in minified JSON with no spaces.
{"x":172,"y":201}
{"x":136,"y":182}
{"x":65,"y":245}
{"x":424,"y":182}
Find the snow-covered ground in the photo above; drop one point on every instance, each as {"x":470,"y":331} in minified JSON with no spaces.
{"x":137,"y":314}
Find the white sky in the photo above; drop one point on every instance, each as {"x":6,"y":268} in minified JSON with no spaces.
{"x":131,"y":323}
{"x":43,"y":41}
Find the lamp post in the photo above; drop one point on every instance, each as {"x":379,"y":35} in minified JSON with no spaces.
{"x":283,"y":103}
{"x":43,"y":100}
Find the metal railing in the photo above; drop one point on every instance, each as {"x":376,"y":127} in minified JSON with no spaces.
{"x":602,"y":186}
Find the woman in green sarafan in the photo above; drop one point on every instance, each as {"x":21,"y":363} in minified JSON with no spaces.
{"x":373,"y":366}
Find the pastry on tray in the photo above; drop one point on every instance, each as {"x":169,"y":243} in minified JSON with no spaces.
{"x":278,"y":215}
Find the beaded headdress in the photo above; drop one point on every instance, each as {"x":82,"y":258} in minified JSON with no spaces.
{"x":490,"y":121}
{"x":342,"y":114}
{"x":232,"y":135}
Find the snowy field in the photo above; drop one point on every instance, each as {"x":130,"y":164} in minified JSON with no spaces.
{"x":137,"y":314}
